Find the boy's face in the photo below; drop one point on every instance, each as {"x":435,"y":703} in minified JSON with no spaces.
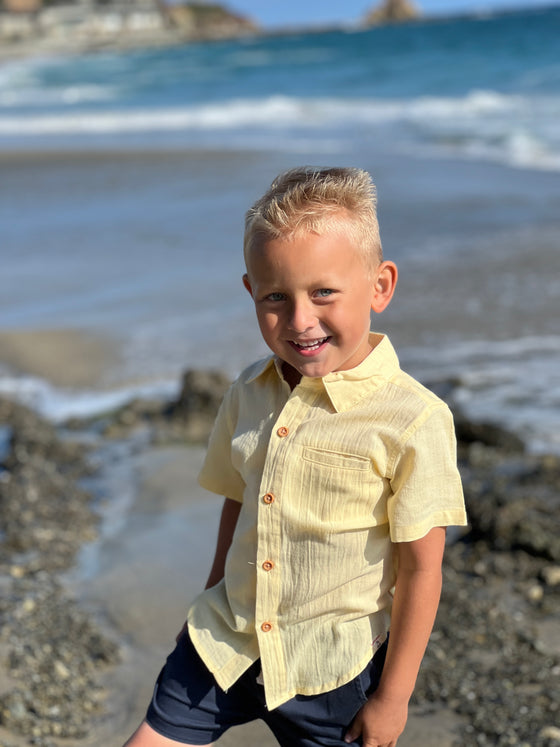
{"x":313,"y":295}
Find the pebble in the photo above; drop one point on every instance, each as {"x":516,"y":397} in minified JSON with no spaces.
{"x":53,"y":652}
{"x":535,"y":593}
{"x":551,"y":575}
{"x":550,"y":733}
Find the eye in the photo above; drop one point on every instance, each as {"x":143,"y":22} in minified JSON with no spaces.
{"x":276,"y":296}
{"x":324,"y":292}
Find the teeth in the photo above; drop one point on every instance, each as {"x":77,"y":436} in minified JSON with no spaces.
{"x":308,"y":344}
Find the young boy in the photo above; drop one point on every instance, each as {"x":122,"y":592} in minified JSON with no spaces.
{"x":340,"y":477}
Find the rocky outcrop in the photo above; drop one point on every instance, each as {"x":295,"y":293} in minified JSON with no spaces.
{"x":207,"y":21}
{"x":188,"y":419}
{"x":45,"y":516}
{"x":392,"y":11}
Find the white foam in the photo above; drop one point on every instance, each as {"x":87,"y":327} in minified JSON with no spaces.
{"x":517,"y":130}
{"x":274,"y":112}
{"x":518,"y":348}
{"x":271,"y":112}
{"x":67,"y":96}
{"x":512,"y":382}
{"x":22,"y":85}
{"x":57,"y":404}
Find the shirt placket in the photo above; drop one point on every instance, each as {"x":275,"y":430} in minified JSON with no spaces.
{"x":269,"y":567}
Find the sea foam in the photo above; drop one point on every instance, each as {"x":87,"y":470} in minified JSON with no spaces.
{"x":483,"y":125}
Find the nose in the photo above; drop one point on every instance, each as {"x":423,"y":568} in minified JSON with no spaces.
{"x":302,"y":316}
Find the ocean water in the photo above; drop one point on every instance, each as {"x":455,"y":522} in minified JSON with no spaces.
{"x":484,"y":87}
{"x":125,"y":177}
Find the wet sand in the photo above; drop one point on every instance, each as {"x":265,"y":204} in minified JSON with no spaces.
{"x":149,"y":571}
{"x":66,"y":357}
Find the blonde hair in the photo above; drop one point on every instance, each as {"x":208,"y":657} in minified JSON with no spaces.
{"x":317,"y":200}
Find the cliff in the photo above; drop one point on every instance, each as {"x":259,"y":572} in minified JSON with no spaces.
{"x":35,"y":26}
{"x":207,"y":21}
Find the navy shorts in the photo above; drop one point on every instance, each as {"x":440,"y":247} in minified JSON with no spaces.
{"x":189,"y":707}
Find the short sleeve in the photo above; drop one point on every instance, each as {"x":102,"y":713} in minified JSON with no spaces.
{"x":425,"y":483}
{"x":218,"y":473}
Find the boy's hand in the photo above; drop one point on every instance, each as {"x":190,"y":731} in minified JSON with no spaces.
{"x":380,"y":722}
{"x":382,"y":719}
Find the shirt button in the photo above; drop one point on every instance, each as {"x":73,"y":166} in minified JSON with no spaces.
{"x":282,"y":432}
{"x":268,"y":498}
{"x":268,"y":565}
{"x":266,"y":627}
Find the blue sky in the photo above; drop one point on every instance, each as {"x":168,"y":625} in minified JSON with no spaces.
{"x":275,"y":13}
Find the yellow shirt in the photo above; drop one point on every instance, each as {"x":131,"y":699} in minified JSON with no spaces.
{"x":329,"y":475}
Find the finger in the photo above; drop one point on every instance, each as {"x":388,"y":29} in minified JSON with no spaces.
{"x":353,"y":732}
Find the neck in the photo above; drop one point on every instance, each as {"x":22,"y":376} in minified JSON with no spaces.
{"x":291,"y":375}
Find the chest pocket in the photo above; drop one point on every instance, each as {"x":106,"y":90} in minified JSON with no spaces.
{"x":342,"y":491}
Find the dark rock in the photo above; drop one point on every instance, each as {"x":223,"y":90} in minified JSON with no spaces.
{"x":192,"y":416}
{"x":188,"y":419}
{"x":32,"y":436}
{"x":487,"y":434}
{"x":42,"y":508}
{"x":515,"y":503}
{"x":201,"y":393}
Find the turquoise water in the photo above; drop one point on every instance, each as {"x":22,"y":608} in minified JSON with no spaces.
{"x":486,"y":87}
{"x":121,"y":211}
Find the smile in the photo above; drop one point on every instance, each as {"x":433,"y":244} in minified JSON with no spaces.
{"x":309,"y":346}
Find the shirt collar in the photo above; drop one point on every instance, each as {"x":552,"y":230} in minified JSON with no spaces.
{"x":346,"y":388}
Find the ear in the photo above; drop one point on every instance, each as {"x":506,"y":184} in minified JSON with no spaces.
{"x":247,"y":284}
{"x":385,"y":282}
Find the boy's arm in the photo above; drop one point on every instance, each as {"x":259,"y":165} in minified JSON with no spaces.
{"x":228,"y":522}
{"x":417,"y":593}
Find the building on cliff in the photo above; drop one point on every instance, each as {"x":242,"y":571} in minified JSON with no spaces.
{"x":87,"y":24}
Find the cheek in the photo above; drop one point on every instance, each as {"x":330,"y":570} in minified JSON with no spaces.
{"x":353,"y":321}
{"x":349,"y":318}
{"x":268,"y":322}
